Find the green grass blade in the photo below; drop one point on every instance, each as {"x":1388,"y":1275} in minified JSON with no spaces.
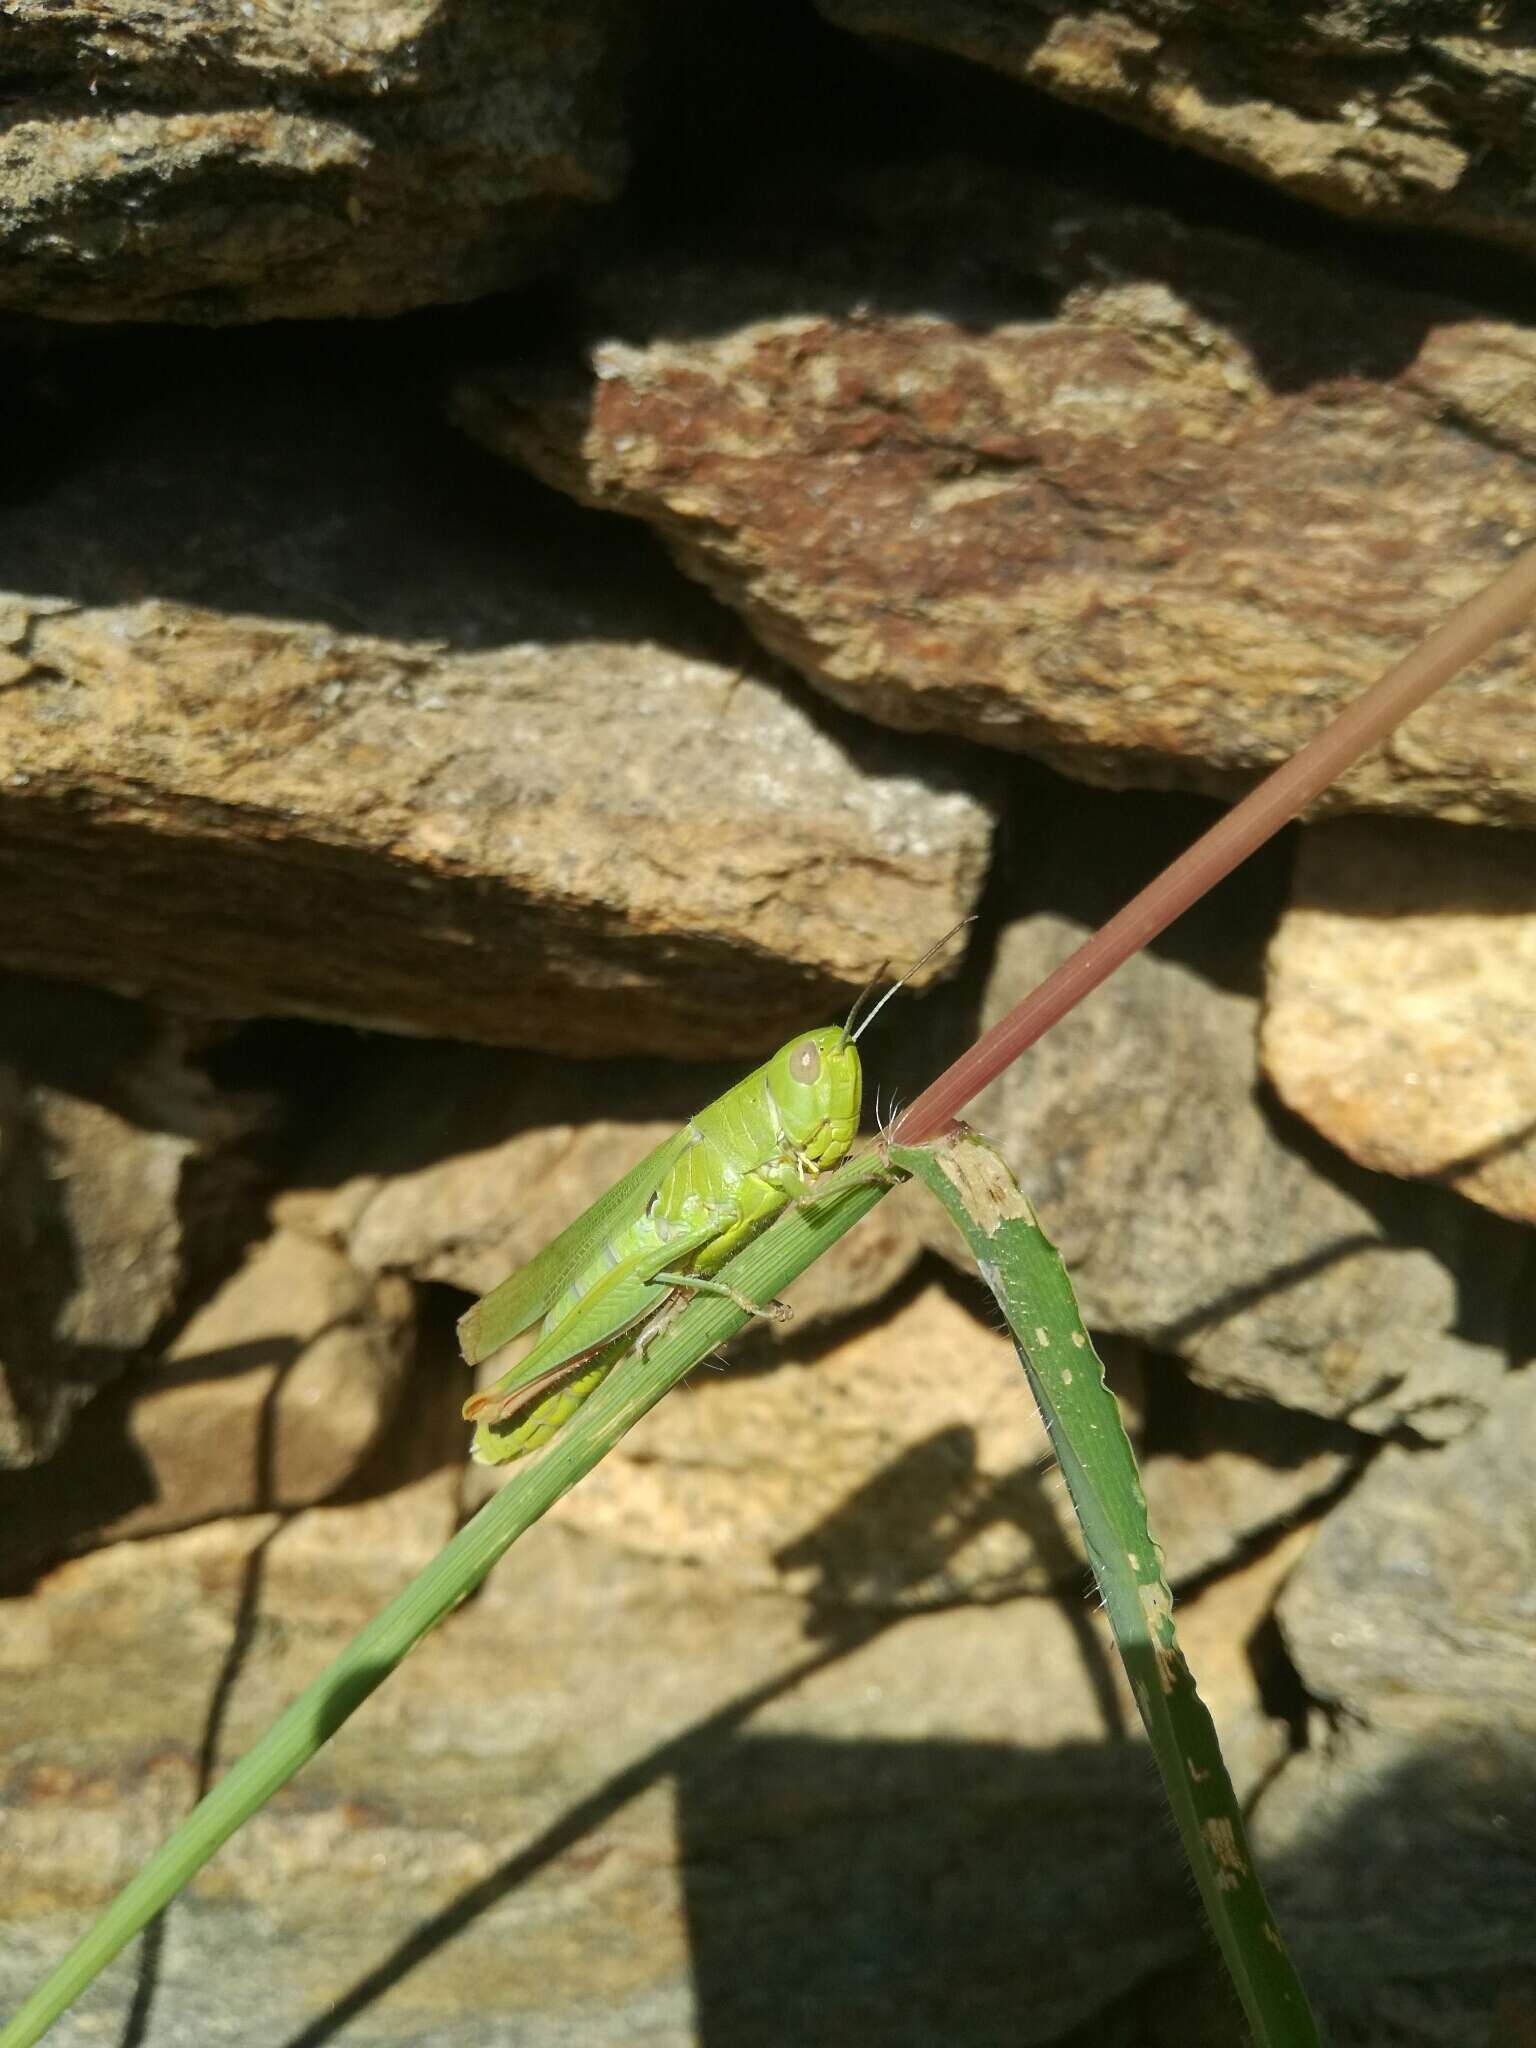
{"x":759,"y":1272}
{"x":1026,"y":1276}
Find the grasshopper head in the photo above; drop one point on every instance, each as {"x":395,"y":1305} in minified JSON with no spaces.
{"x":816,"y":1083}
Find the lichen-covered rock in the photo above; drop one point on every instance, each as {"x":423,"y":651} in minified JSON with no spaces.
{"x":217,"y":161}
{"x":1400,"y":1003}
{"x":305,"y":714}
{"x":1145,"y":500}
{"x":1398,"y":114}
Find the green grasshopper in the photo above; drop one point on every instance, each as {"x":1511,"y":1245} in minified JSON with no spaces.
{"x":607,"y":1284}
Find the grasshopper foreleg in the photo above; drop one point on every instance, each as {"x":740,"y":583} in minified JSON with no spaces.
{"x":870,"y":1167}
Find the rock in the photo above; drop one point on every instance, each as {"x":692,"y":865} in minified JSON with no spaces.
{"x":607,"y":1799}
{"x":459,"y":1164}
{"x":1193,"y":1217}
{"x":320,"y":720}
{"x":1221,"y":1476}
{"x":1404,"y":1832}
{"x":271,"y":1396}
{"x":223,"y":162}
{"x":901,"y":1468}
{"x":1399,"y":1869}
{"x":118,"y":1182}
{"x":1416,"y":1598}
{"x":909,"y":1465}
{"x":1394,"y":116}
{"x":1400,"y":1013}
{"x":1081,"y":496}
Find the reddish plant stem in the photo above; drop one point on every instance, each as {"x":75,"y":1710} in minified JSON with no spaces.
{"x":1467,"y":633}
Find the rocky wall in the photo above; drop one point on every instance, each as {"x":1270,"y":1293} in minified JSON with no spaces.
{"x":539,"y":548}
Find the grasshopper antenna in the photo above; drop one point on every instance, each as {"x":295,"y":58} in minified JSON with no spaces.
{"x":852,"y":1037}
{"x":859,"y":1000}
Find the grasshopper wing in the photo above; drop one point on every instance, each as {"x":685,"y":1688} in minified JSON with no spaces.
{"x":620,"y":1300}
{"x":528,"y":1293}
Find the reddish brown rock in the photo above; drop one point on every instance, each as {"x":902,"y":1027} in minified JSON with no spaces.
{"x":1143,"y":500}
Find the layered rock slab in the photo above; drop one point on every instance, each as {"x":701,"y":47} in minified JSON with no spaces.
{"x":606,"y":1798}
{"x":1396,"y":115}
{"x":220,"y":162}
{"x":321,"y":720}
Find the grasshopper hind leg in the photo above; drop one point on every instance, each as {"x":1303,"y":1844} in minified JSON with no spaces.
{"x":506,"y":1427}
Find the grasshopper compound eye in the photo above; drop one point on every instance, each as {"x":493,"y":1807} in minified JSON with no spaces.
{"x":805,"y":1063}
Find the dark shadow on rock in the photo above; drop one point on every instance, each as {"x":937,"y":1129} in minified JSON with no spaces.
{"x":782,"y":85}
{"x":778,"y":1838}
{"x":1186,"y":1418}
{"x":706,"y":1758}
{"x":978,"y":1892}
{"x":1234,"y":1300}
{"x":91,"y":1046}
{"x":416,"y":1103}
{"x":555,"y":1841}
{"x":912,"y":1892}
{"x":889,"y":1547}
{"x":1379,"y":868}
{"x":88,"y":1042}
{"x":1409,"y":1895}
{"x":1486,"y":1155}
{"x":907,"y":1891}
{"x":1488,"y":1256}
{"x":62,"y":1506}
{"x":307,"y":475}
{"x":96,"y":1476}
{"x":1132,"y":836}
